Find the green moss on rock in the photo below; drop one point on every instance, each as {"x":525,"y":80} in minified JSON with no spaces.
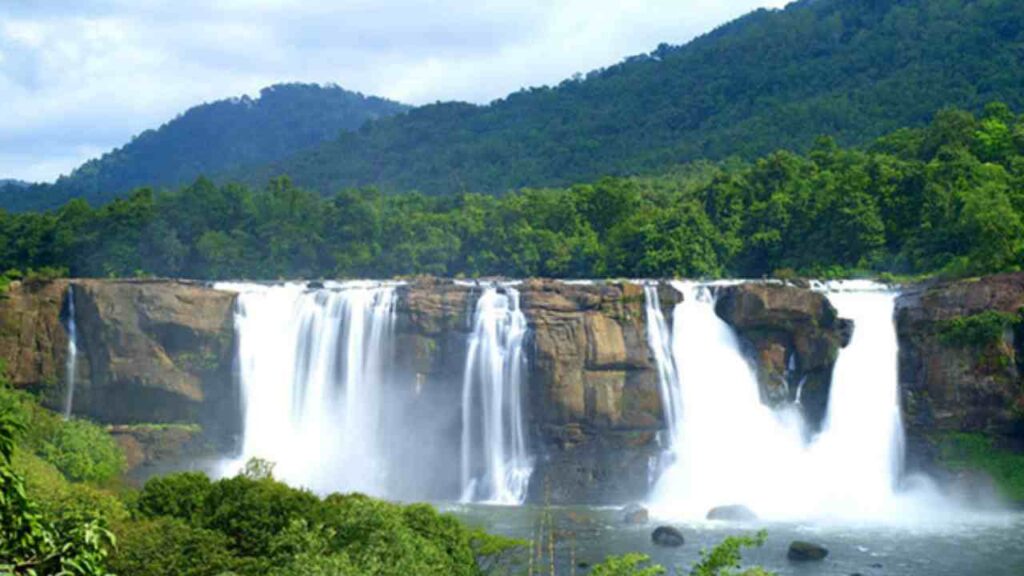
{"x":961,"y":451}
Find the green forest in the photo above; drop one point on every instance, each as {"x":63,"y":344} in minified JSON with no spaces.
{"x":944,"y":199}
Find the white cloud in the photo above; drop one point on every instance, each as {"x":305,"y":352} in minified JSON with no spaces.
{"x":79,"y":77}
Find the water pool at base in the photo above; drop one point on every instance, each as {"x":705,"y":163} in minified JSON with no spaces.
{"x":990,"y":545}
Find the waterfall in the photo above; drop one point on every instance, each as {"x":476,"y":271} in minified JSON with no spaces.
{"x":312,"y":364}
{"x":727,"y":445}
{"x":860,"y":448}
{"x":71,"y":362}
{"x":495,"y":466}
{"x":728,"y":448}
{"x":659,"y":339}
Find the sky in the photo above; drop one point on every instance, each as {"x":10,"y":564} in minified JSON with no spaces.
{"x":80,"y":77}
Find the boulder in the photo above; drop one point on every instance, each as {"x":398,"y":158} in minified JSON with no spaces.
{"x":635,"y":514}
{"x":594,"y":393}
{"x":732,"y":512}
{"x":800,"y":551}
{"x":793,"y":336}
{"x":667,"y":536}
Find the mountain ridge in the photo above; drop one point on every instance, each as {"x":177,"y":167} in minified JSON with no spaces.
{"x":211,"y":138}
{"x":853,"y":69}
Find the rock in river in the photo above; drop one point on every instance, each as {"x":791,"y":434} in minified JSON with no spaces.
{"x":635,"y":514}
{"x":667,"y":536}
{"x":735,"y":512}
{"x":805,"y":551}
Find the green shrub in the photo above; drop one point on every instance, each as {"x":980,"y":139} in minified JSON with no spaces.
{"x":73,"y":544}
{"x":977,"y":331}
{"x":252,"y":512}
{"x":628,"y":565}
{"x":727,"y":556}
{"x":170,"y":547}
{"x":181,"y":496}
{"x":81,"y":450}
{"x":270,"y":527}
{"x":84,"y":452}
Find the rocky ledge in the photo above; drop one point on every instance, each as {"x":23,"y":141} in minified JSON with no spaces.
{"x":793,"y":336}
{"x":961,"y":361}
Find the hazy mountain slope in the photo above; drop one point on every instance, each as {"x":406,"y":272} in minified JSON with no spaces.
{"x":210,"y":139}
{"x":851,"y":68}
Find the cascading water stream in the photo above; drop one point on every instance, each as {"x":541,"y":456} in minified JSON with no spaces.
{"x":859,"y":451}
{"x":659,"y":338}
{"x":725,"y":438}
{"x":312,"y":364}
{"x":729,"y":448}
{"x":495,"y":466}
{"x":71,"y":362}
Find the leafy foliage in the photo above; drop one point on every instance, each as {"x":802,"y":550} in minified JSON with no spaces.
{"x":627,"y":565}
{"x":258,"y":525}
{"x":724,"y":559}
{"x":32,"y":544}
{"x":81,"y":450}
{"x":941,"y":199}
{"x":84,"y":452}
{"x":978,"y":330}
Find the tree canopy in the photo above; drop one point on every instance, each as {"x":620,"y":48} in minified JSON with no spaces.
{"x":947,"y":198}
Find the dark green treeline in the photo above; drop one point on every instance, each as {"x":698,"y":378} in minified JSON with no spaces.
{"x":947,"y":198}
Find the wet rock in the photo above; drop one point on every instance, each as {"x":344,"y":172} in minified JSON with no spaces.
{"x":792,"y":334}
{"x":635,"y":514}
{"x":800,"y":551}
{"x":733,"y":512}
{"x":667,"y":536}
{"x":315,"y":285}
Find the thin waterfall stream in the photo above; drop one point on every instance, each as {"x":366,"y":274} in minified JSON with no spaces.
{"x":71,"y":362}
{"x":495,"y":466}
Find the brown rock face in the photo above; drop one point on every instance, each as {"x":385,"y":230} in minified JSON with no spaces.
{"x":967,"y":387}
{"x":149,"y":351}
{"x":156,"y":351}
{"x":433,"y":319}
{"x":149,"y":448}
{"x":33,"y":340}
{"x":793,"y":335}
{"x":593,"y":390}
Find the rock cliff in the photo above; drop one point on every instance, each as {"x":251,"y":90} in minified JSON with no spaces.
{"x":793,"y":335}
{"x":149,"y":351}
{"x":161,"y":352}
{"x":593,"y":390}
{"x":33,"y":340}
{"x":960,"y":360}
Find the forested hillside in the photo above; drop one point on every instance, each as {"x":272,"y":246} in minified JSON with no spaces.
{"x":947,"y":198}
{"x":210,"y":139}
{"x":854,"y":69}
